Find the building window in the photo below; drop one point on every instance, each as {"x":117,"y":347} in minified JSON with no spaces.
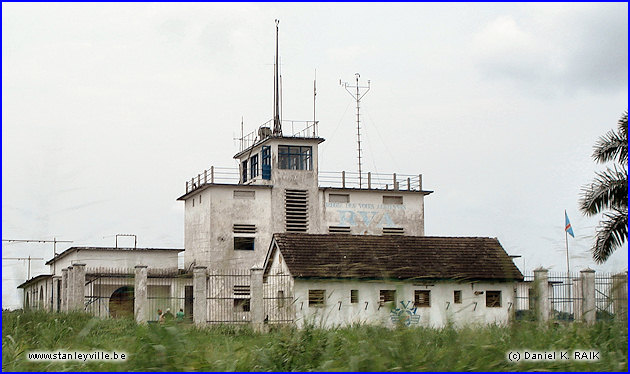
{"x":241,"y":298}
{"x":493,"y":299}
{"x":281,"y":299}
{"x":266,"y":162}
{"x":316,"y":297}
{"x":244,"y":171}
{"x":247,"y":195}
{"x":387,"y":296}
{"x":392,"y":200}
{"x":422,"y":298}
{"x":354,"y":296}
{"x":295,"y":158}
{"x":457,"y":297}
{"x":338,"y":198}
{"x":253,"y":166}
{"x":243,"y":243}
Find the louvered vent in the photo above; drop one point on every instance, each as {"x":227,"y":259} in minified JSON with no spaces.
{"x":241,"y":291}
{"x":393,"y":231}
{"x":244,"y":229}
{"x":296,"y":210}
{"x":339,"y":229}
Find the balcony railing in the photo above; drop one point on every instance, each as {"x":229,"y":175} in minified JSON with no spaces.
{"x":333,"y":179}
{"x":290,"y":128}
{"x":370,"y":181}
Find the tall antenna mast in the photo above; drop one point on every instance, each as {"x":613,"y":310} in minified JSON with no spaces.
{"x":314,"y":96}
{"x":357,"y":96}
{"x":242,"y":135}
{"x":277,"y":125}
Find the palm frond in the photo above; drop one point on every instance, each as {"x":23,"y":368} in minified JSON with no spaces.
{"x":611,"y":234}
{"x":611,"y":146}
{"x":623,"y":124}
{"x":608,"y":190}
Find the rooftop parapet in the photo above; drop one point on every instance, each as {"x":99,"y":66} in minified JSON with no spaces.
{"x":326,"y":179}
{"x":290,"y":128}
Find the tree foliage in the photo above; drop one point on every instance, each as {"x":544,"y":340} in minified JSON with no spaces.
{"x":608,"y":193}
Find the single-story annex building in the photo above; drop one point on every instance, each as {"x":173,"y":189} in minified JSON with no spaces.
{"x":415,"y":280}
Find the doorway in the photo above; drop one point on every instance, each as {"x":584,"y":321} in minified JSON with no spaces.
{"x":121,"y":302}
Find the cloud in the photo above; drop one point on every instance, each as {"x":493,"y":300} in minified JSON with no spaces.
{"x":562,"y":48}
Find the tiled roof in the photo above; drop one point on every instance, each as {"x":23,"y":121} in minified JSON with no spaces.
{"x":395,"y":257}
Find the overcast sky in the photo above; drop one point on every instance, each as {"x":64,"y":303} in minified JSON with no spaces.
{"x":107,"y":109}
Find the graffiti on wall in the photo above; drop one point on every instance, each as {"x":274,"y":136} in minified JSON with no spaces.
{"x":405,"y":314}
{"x":351,"y":214}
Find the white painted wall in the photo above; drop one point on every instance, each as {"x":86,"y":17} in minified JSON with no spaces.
{"x":339,"y":311}
{"x":365,"y":212}
{"x":208,"y":226}
{"x":211,"y":212}
{"x":39,"y":294}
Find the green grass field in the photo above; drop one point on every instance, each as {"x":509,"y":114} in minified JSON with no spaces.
{"x":360,"y":348}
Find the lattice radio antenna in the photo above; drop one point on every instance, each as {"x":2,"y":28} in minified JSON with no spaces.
{"x":357,"y":96}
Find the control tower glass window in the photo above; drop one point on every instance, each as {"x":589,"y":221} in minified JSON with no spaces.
{"x":295,"y":157}
{"x":253,"y":166}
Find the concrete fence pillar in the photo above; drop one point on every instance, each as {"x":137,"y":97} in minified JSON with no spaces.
{"x":79,"y":287}
{"x":200,"y":305}
{"x":541,"y":284}
{"x":256,"y":303}
{"x":577,"y":299}
{"x":620,"y":295}
{"x":140,"y":294}
{"x":587,"y":277}
{"x":56,"y":288}
{"x":70,"y":292}
{"x":64,"y":290}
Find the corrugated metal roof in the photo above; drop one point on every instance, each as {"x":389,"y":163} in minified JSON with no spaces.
{"x":395,"y":257}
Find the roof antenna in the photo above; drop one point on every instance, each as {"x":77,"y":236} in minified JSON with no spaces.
{"x":314,"y":95}
{"x":357,"y":96}
{"x":277,"y":125}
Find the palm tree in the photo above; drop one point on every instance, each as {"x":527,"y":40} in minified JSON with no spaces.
{"x":608,"y":193}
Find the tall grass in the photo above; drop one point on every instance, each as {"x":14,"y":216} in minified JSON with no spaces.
{"x":357,"y":348}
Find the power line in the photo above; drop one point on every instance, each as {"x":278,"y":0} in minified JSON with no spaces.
{"x":54,"y":241}
{"x":29,"y":258}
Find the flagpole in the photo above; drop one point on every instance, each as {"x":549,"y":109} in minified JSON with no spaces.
{"x":569,"y":281}
{"x":566,"y":241}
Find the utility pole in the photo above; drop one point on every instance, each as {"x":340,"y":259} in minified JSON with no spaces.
{"x":29,"y":258}
{"x":357,"y":96}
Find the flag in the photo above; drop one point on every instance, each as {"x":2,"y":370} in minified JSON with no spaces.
{"x":567,"y":225}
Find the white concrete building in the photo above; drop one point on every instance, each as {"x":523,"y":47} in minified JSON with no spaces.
{"x":237,"y":218}
{"x":278,"y":188}
{"x":430,"y":281}
{"x":46,"y":291}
